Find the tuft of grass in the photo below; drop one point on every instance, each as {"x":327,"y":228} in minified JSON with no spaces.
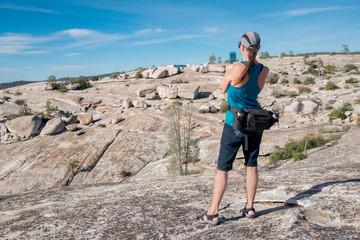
{"x":292,"y":94}
{"x":19,"y":102}
{"x":296,"y":81}
{"x":272,"y":78}
{"x":124,"y":173}
{"x":202,"y":111}
{"x":309,"y":80}
{"x":285,"y":73}
{"x":276,"y":93}
{"x":224,"y":106}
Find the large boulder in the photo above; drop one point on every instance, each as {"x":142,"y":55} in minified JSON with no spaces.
{"x":127,"y":103}
{"x":160,"y":73}
{"x":309,"y":107}
{"x":167,"y":92}
{"x":188,"y":91}
{"x":172,"y":70}
{"x":85,"y":118}
{"x":149,"y":88}
{"x":204,"y":68}
{"x":216,"y":68}
{"x":293,"y":108}
{"x":148,"y":72}
{"x":195,"y":68}
{"x":25,"y":126}
{"x":73,"y":86}
{"x":53,"y":127}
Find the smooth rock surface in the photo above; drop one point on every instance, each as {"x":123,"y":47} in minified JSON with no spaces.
{"x":188,"y":91}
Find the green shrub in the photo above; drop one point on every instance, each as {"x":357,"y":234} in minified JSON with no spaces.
{"x":83,"y":81}
{"x":63,"y":89}
{"x":49,"y":108}
{"x":94,"y":78}
{"x":19,"y":102}
{"x":346,"y":86}
{"x":175,"y":81}
{"x":224,"y":106}
{"x":328,"y":107}
{"x":6,"y":98}
{"x":285,"y":73}
{"x":299,"y":156}
{"x":24,"y":111}
{"x":272,"y":78}
{"x":295,"y":149}
{"x":340,"y":112}
{"x":329,"y":69}
{"x":282,"y":55}
{"x":284,"y":81}
{"x":74,"y":165}
{"x":292,"y":94}
{"x":138,"y":75}
{"x":18,"y":93}
{"x":296,"y":81}
{"x":202,"y":111}
{"x":352,"y":80}
{"x":330,"y":86}
{"x":357,"y":101}
{"x":124,"y":173}
{"x":348,"y":67}
{"x":309,"y":80}
{"x":276,"y":93}
{"x":114,"y":75}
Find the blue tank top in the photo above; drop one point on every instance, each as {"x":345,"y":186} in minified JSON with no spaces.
{"x":246,"y":96}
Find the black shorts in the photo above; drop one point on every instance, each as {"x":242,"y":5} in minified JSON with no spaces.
{"x":231,"y":140}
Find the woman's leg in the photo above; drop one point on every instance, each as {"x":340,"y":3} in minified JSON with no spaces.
{"x":251,"y":185}
{"x":220,"y":183}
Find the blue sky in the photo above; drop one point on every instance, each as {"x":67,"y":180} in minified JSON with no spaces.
{"x":39,"y":38}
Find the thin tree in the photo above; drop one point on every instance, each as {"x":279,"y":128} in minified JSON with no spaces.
{"x":212,"y":59}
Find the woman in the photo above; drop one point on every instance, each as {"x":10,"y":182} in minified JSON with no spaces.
{"x":243,"y":82}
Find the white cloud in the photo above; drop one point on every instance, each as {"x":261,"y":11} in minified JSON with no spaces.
{"x":66,"y":67}
{"x":22,"y":8}
{"x":211,"y":29}
{"x":168,"y":39}
{"x":72,"y":54}
{"x":305,"y":11}
{"x":149,"y":31}
{"x":4,"y":69}
{"x":79,"y":33}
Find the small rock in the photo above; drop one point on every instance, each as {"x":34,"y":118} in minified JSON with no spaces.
{"x":213,"y":109}
{"x":337,"y":121}
{"x":85,"y":118}
{"x":79,"y":132}
{"x":211,"y":97}
{"x":347,"y":120}
{"x":151,"y":96}
{"x":149,"y":88}
{"x":71,"y":127}
{"x":128,"y":103}
{"x":68,"y":120}
{"x":348,"y":113}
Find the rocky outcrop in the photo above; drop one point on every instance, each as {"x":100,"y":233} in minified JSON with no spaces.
{"x":53,"y":127}
{"x":324,"y":204}
{"x":216,"y":68}
{"x":25,"y":126}
{"x":159,"y":73}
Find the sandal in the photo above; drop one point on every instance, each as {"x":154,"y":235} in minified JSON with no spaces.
{"x":209,"y":219}
{"x":245,"y":212}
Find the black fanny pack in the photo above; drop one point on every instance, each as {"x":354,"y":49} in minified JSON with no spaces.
{"x":253,"y":119}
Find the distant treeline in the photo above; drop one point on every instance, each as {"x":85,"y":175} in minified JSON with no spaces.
{"x":14,"y":84}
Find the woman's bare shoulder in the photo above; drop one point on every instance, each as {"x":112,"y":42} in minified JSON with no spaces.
{"x":235,"y":67}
